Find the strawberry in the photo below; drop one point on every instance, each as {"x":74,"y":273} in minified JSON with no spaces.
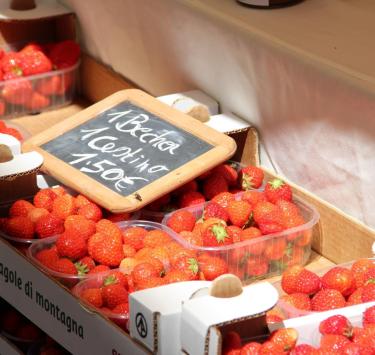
{"x":64,"y":266}
{"x":239,"y":213}
{"x":129,"y":251}
{"x":2,"y":109}
{"x":188,"y":265}
{"x":253,"y":197}
{"x":356,"y":349}
{"x":175,"y":275}
{"x":303,"y":349}
{"x":297,"y":279}
{"x":294,"y":255}
{"x":285,"y":337}
{"x":34,"y":62}
{"x":31,"y":47}
{"x":251,"y":348}
{"x":59,"y":190}
{"x":275,"y":248}
{"x":270,"y":347}
{"x":337,"y":324}
{"x":10,"y":64}
{"x":93,"y":296}
{"x":359,"y":268}
{"x":134,"y":236}
{"x":47,"y":257}
{"x":20,"y":208}
{"x":156,"y":237}
{"x":223,"y":198}
{"x":143,"y":271}
{"x":253,"y":233}
{"x":340,"y":279}
{"x":214,"y":185}
{"x":369,"y":276}
{"x":327,"y":299}
{"x":114,"y":294}
{"x":79,"y":224}
{"x":231,"y":340}
{"x":368,"y":293}
{"x":277,"y":189}
{"x":72,"y":245}
{"x":63,"y":206}
{"x":91,"y":211}
{"x":181,"y":220}
{"x":52,"y":85}
{"x":333,"y":342}
{"x":364,"y":336}
{"x":35,"y":213}
{"x":177,"y":252}
{"x":44,"y":199}
{"x":37,"y":102}
{"x":29,"y":332}
{"x":86,"y":262}
{"x":12,"y":132}
{"x":48,"y":226}
{"x":64,"y":54}
{"x":355,"y":297}
{"x":213,"y":209}
{"x":116,"y":277}
{"x":108,"y":250}
{"x":17,"y":92}
{"x":81,"y":200}
{"x":228,"y":172}
{"x":19,"y":227}
{"x":156,"y":263}
{"x":191,"y":198}
{"x":98,"y":269}
{"x":251,"y":177}
{"x":256,"y":267}
{"x":216,"y":235}
{"x":274,"y":316}
{"x":297,"y":300}
{"x":268,"y":217}
{"x":235,"y":233}
{"x":369,"y":316}
{"x":212,"y":267}
{"x":122,"y":308}
{"x":193,"y":238}
{"x":106,"y":227}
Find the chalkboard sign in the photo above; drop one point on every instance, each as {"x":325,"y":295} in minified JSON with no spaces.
{"x":129,"y":149}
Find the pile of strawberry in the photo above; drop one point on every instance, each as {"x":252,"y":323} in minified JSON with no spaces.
{"x":32,"y":93}
{"x":5,"y":129}
{"x":338,"y":336}
{"x":52,"y":211}
{"x":226,"y":177}
{"x":336,"y":288}
{"x":249,"y":216}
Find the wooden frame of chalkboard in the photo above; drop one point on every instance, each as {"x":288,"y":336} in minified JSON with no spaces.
{"x":128,"y":150}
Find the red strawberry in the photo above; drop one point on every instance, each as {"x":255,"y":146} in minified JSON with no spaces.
{"x":275,"y":248}
{"x":212,"y":267}
{"x":327,"y":299}
{"x":359,"y":268}
{"x":228,"y":172}
{"x":355,"y":297}
{"x":79,"y":224}
{"x":47,"y":257}
{"x":64,"y":54}
{"x":369,"y":316}
{"x":34,"y":62}
{"x":35,"y":213}
{"x":18,"y":92}
{"x":235,"y":233}
{"x":81,"y":200}
{"x":256,"y":267}
{"x":216,"y":235}
{"x":340,"y":279}
{"x":193,"y":238}
{"x":64,"y":266}
{"x":91,"y":211}
{"x":356,"y":349}
{"x":122,"y":308}
{"x":174,"y":276}
{"x":48,"y":226}
{"x":223,"y":199}
{"x":10,"y":64}
{"x":12,"y":132}
{"x":268,"y":217}
{"x":19,"y":227}
{"x":369,"y":276}
{"x":72,"y":245}
{"x":37,"y":101}
{"x":214,"y":185}
{"x":93,"y":296}
{"x":253,"y":197}
{"x":368,"y":293}
{"x":52,"y":85}
{"x":144,"y":271}
{"x":297,"y":300}
{"x":134,"y":236}
{"x":86,"y":262}
{"x":109,"y":228}
{"x":251,"y":177}
{"x":98,"y":269}
{"x":63,"y":206}
{"x":213,"y":209}
{"x":31,"y":47}
{"x":277,"y":189}
{"x":181,"y":220}
{"x":364,"y":336}
{"x":333,"y":342}
{"x":155,"y":238}
{"x":231,"y":340}
{"x":114,"y":294}
{"x":297,"y":279}
{"x":191,"y":185}
{"x":251,"y":348}
{"x":258,"y":246}
{"x":239,"y":213}
{"x":286,"y":338}
{"x":303,"y":349}
{"x":191,"y":198}
{"x":188,"y":265}
{"x":20,"y":208}
{"x":44,"y":199}
{"x":108,"y":250}
{"x":116,"y":277}
{"x":337,"y":324}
